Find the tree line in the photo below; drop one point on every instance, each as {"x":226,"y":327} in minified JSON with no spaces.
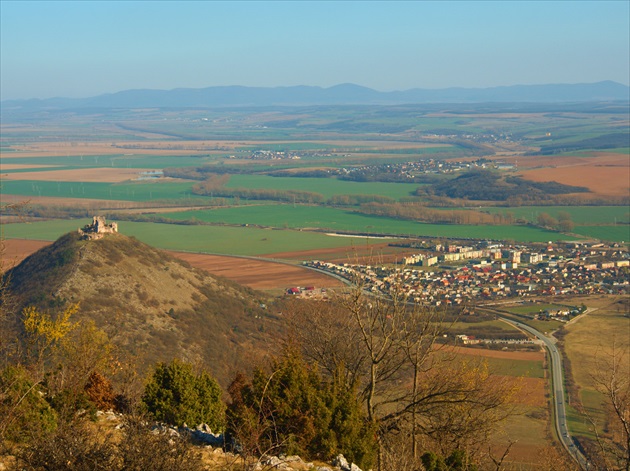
{"x":485,"y":185}
{"x":417,"y":211}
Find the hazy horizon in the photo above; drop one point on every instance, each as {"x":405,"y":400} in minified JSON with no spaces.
{"x":288,"y":87}
{"x":83,"y":49}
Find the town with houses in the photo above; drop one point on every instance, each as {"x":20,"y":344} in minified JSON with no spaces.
{"x":450,"y":275}
{"x":410,"y":170}
{"x":404,"y":171}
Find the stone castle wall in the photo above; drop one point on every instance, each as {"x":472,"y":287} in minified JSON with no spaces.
{"x":98,"y":228}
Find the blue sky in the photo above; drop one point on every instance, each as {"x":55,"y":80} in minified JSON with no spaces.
{"x":84,"y":48}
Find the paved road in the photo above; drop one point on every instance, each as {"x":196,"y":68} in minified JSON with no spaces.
{"x":559,"y":403}
{"x":555,"y":363}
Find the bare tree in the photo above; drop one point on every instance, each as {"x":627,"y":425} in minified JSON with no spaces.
{"x":612,"y":379}
{"x":411,"y":385}
{"x":328,"y":339}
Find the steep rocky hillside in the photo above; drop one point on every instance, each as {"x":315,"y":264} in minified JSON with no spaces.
{"x":151,"y":304}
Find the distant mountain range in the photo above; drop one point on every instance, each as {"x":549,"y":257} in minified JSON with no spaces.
{"x":345,"y":94}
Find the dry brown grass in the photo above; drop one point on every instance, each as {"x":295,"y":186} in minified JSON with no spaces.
{"x":589,"y":339}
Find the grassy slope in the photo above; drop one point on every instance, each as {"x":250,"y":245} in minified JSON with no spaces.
{"x":587,"y":342}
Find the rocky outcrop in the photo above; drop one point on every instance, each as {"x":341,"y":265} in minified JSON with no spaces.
{"x":215,"y":444}
{"x":342,"y":463}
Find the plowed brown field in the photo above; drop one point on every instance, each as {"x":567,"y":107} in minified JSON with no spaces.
{"x":604,"y":173}
{"x":16,"y":250}
{"x":259,"y":274}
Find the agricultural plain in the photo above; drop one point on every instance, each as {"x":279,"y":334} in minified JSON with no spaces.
{"x":343,"y":184}
{"x":76,"y":156}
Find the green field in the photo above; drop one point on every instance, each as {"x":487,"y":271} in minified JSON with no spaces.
{"x":578,"y":424}
{"x":243,"y":240}
{"x":326,"y":136}
{"x":204,"y":239}
{"x":545,"y":327}
{"x":327,"y":187}
{"x":140,"y":191}
{"x":48,"y":230}
{"x":618,"y":233}
{"x":526,"y":368}
{"x":110,"y":161}
{"x":301,"y":216}
{"x":581,"y":215}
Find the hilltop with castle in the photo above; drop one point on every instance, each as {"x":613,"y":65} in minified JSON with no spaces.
{"x":97,"y":229}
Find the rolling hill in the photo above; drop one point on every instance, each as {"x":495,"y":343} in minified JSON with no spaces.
{"x":151,"y":304}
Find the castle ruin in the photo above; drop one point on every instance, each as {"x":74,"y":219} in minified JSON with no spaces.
{"x":97,"y":229}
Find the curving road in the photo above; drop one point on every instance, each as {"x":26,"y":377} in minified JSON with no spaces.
{"x":559,"y":403}
{"x":557,"y":377}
